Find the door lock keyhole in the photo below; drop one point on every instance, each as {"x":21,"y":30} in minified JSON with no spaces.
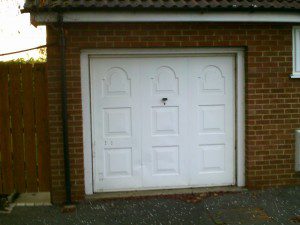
{"x":164,"y":100}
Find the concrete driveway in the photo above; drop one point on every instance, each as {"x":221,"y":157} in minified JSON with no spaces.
{"x":274,"y":206}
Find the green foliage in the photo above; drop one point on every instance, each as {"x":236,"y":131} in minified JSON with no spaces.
{"x":24,"y":61}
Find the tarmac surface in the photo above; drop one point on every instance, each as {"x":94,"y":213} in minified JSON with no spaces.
{"x":270,"y":207}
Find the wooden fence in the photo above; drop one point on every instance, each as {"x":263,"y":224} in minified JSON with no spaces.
{"x":24,"y":140}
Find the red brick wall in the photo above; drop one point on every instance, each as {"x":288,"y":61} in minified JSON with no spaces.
{"x":272,"y":98}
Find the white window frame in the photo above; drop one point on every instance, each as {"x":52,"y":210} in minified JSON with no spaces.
{"x":296,"y":52}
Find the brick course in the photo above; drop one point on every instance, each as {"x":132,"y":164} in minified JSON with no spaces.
{"x":272,"y":98}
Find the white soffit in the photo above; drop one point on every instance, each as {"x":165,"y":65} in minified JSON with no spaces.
{"x":130,"y":16}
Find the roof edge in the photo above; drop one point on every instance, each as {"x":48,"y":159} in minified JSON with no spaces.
{"x":166,"y":16}
{"x":68,"y":8}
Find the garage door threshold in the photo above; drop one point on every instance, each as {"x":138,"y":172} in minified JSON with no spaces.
{"x":144,"y":193}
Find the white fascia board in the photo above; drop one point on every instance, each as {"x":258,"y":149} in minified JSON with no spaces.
{"x":129,"y":16}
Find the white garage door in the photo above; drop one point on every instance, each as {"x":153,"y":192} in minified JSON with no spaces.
{"x":162,"y":122}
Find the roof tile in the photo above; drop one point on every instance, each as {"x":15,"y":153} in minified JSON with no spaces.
{"x":32,"y":5}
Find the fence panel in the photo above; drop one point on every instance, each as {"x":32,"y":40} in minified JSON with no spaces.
{"x":42,"y":128}
{"x":24,"y":140}
{"x":17,"y":127}
{"x":5,"y":134}
{"x":29,"y":128}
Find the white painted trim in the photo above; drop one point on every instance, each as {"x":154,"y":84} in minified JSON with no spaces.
{"x":295,"y":75}
{"x":133,"y":52}
{"x":167,"y":16}
{"x":297,"y":150}
{"x":86,"y":123}
{"x":296,"y":52}
{"x":240,"y":100}
{"x":240,"y":119}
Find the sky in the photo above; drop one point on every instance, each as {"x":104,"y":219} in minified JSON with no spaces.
{"x":16,"y":32}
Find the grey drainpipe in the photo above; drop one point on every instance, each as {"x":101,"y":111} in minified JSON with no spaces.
{"x":64,"y":108}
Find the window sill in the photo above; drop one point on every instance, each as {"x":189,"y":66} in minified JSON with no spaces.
{"x":295,"y":75}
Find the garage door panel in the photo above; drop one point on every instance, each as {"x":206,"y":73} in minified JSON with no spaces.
{"x":165,"y":160}
{"x":164,"y":134}
{"x":116,"y":155}
{"x":208,"y":64}
{"x":211,"y":81}
{"x":165,"y":120}
{"x":113,"y":80}
{"x":210,"y":166}
{"x":118,"y":162}
{"x":211,"y":157}
{"x":117,"y":122}
{"x":213,"y":143}
{"x":211,"y":118}
{"x":162,"y":122}
{"x":165,"y":81}
{"x":116,"y":82}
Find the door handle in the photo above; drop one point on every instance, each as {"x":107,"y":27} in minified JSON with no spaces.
{"x":164,"y":100}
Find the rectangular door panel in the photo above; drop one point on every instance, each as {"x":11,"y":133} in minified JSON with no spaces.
{"x":164,"y":123}
{"x":115,"y":127}
{"x":211,"y":108}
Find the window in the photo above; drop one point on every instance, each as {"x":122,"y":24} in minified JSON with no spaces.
{"x":296,"y":53}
